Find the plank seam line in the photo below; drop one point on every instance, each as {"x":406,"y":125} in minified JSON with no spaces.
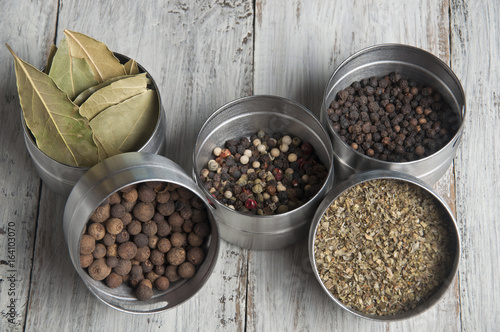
{"x":37,"y":218}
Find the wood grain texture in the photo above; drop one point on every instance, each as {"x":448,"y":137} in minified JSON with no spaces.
{"x":313,"y":39}
{"x":203,"y":54}
{"x":475,"y":59}
{"x":19,"y":184}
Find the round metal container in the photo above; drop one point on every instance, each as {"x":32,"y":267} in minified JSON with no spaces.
{"x":357,"y":179}
{"x":412,"y":63}
{"x":96,"y":185}
{"x":244,"y":117}
{"x":60,"y":177}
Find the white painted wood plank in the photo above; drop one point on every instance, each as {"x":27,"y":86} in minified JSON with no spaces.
{"x":301,"y":44}
{"x":475,"y":59}
{"x":19,"y":184}
{"x":200,"y":54}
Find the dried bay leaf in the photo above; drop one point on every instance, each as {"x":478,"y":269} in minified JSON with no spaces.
{"x":131,"y":67}
{"x":85,"y":94}
{"x":59,"y":129}
{"x":50,"y":57}
{"x":127,"y":126}
{"x":102,"y":61}
{"x":72,"y":75}
{"x":113,"y":94}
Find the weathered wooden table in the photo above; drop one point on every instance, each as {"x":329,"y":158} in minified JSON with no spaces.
{"x":203,"y":54}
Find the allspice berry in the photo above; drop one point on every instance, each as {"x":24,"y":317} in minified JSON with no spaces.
{"x":108,"y":239}
{"x":149,"y":228}
{"x":162,"y":283}
{"x":143,"y":254}
{"x":194,"y":240}
{"x":176,"y":256}
{"x":123,"y":236}
{"x":114,"y":280}
{"x":163,"y":228}
{"x":163,"y":245}
{"x":99,"y":270}
{"x":175,"y":221}
{"x":167,"y":208}
{"x":96,"y":230}
{"x":171,"y":273}
{"x":143,"y":292}
{"x":101,"y":213}
{"x":143,"y":211}
{"x":195,"y":255}
{"x":99,"y":251}
{"x":134,"y":227}
{"x":157,"y":257}
{"x":127,"y":250}
{"x":141,"y":240}
{"x":86,"y":260}
{"x":186,"y":270}
{"x":123,"y":267}
{"x":114,"y":226}
{"x":112,"y":261}
{"x":202,"y":229}
{"x":146,"y":194}
{"x":118,"y":211}
{"x":131,"y":195}
{"x":178,"y":239}
{"x":87,"y":244}
{"x":114,"y":198}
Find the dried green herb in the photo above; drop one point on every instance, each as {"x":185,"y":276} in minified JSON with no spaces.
{"x":131,"y":67}
{"x":113,"y":94}
{"x":72,"y":75}
{"x":134,"y":129}
{"x":60,"y":131}
{"x":50,"y":57}
{"x":383,"y":247}
{"x":85,"y":71}
{"x":102,"y":61}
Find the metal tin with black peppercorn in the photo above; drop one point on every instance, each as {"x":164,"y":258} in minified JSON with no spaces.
{"x":94,"y":187}
{"x":448,"y":220}
{"x":60,"y":177}
{"x":244,"y":117}
{"x":411,"y":63}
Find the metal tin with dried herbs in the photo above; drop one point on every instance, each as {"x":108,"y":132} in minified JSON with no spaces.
{"x":384,"y":245}
{"x":60,"y":177}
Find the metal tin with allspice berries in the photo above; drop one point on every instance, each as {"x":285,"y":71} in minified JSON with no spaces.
{"x":60,"y":177}
{"x":411,"y":63}
{"x":447,"y":220}
{"x":242,"y":118}
{"x":109,"y":176}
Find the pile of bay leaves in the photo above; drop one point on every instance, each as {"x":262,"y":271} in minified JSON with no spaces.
{"x":85,"y":105}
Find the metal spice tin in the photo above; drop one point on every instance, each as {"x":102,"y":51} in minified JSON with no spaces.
{"x":60,"y":177}
{"x":96,"y":185}
{"x":244,"y":117}
{"x":357,"y":179}
{"x":410,"y":62}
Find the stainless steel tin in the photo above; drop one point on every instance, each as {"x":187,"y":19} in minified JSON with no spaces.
{"x":60,"y":177}
{"x":357,"y":179}
{"x":98,"y":183}
{"x":244,"y":117}
{"x":410,"y":62}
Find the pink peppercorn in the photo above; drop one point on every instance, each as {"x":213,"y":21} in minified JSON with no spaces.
{"x":251,"y":204}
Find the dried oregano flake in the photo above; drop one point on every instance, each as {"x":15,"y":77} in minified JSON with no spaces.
{"x":383,"y":247}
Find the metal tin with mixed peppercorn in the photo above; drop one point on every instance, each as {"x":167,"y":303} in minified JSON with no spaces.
{"x":265,"y":162}
{"x":384,"y":245}
{"x":61,"y":177}
{"x":140,"y":233}
{"x":394,"y":107}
